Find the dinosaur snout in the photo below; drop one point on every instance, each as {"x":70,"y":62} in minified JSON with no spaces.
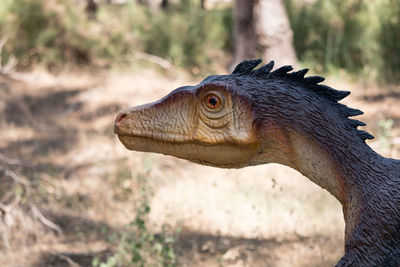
{"x":120,"y":117}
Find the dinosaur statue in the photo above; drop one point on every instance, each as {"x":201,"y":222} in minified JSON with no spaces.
{"x":258,"y":116}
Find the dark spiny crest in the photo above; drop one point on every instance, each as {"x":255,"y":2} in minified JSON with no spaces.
{"x":247,"y":68}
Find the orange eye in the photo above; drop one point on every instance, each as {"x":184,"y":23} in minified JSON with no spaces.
{"x":213,"y":101}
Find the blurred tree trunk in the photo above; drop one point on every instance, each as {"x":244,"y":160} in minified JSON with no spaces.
{"x":245,"y":40}
{"x":262,"y":27}
{"x":152,"y":4}
{"x":274,"y":34}
{"x":203,"y":4}
{"x":164,"y":4}
{"x":91,"y":9}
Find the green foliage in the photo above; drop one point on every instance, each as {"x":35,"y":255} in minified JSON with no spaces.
{"x":40,"y":33}
{"x":389,"y":38}
{"x":58,"y":32}
{"x":359,"y":36}
{"x":324,"y":33}
{"x":139,"y":246}
{"x":185,"y":35}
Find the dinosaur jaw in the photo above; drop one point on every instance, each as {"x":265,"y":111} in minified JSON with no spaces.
{"x":216,"y":155}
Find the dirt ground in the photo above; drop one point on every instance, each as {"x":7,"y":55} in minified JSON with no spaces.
{"x":68,"y":185}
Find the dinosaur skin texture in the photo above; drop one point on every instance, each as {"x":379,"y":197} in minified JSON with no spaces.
{"x":259,"y":116}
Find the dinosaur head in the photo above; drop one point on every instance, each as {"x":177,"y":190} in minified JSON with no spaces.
{"x":250,"y":117}
{"x":210,"y":124}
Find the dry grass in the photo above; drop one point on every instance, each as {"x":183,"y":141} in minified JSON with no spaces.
{"x":59,"y":129}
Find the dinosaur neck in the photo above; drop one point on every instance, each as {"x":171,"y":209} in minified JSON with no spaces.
{"x":340,"y":166}
{"x":343,"y":170}
{"x":317,"y":164}
{"x":366,"y":184}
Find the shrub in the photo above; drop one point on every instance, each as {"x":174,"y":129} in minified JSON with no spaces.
{"x":55,"y":33}
{"x":41,"y":33}
{"x":358,"y":36}
{"x":389,"y":39}
{"x":184,"y":34}
{"x":138,"y":245}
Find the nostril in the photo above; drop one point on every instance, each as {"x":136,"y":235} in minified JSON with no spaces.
{"x":121,"y":117}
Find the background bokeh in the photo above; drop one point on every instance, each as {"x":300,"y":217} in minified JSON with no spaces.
{"x":72,"y":195}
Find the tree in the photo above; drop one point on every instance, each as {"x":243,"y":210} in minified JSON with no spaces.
{"x":152,"y":4}
{"x":274,"y":34}
{"x":91,"y":9}
{"x":263,"y":27}
{"x":245,"y":40}
{"x":203,"y":4}
{"x":164,"y":4}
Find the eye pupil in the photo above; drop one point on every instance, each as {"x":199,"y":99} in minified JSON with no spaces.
{"x":213,"y":101}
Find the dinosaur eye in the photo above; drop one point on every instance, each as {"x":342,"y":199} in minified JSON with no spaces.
{"x":213,"y":101}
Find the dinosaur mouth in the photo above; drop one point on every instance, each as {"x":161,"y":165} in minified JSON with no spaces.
{"x":217,"y":155}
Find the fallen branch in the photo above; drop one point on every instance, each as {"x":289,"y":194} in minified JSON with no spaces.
{"x":6,"y":239}
{"x":8,"y":208}
{"x":11,"y":63}
{"x":10,"y":161}
{"x":36,"y":212}
{"x":69,"y":260}
{"x":154,"y":59}
{"x":4,"y":208}
{"x":13,"y":175}
{"x":8,"y":195}
{"x":3,"y":41}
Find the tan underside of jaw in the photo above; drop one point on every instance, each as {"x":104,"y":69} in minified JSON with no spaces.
{"x":217,"y":155}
